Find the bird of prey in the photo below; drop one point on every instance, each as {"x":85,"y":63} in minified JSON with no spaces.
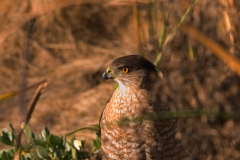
{"x":136,"y":95}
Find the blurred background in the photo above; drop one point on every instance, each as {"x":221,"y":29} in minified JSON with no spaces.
{"x":70,"y":44}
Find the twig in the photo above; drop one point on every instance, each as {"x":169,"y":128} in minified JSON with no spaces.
{"x":34,"y":100}
{"x":31,"y":107}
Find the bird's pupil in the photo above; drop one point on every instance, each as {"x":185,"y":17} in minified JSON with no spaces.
{"x":124,"y":70}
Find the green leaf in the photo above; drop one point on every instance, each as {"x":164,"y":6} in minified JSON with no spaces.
{"x":27,"y":131}
{"x":42,"y":152}
{"x":5,"y":132}
{"x":98,"y":133}
{"x":74,"y":152}
{"x":39,"y":142}
{"x":96,"y":143}
{"x":33,"y":135}
{"x":67,"y":156}
{"x":45,"y":133}
{"x":64,"y":140}
{"x":10,"y":153}
{"x":54,"y":141}
{"x":6,"y":137}
{"x":38,"y":137}
{"x":12,"y":130}
{"x":10,"y":136}
{"x":4,"y":155}
{"x":7,"y":154}
{"x":83,"y":141}
{"x":58,"y":152}
{"x":35,"y":156}
{"x":6,"y":141}
{"x":68,"y":146}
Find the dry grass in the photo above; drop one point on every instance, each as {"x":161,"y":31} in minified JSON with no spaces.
{"x":73,"y":41}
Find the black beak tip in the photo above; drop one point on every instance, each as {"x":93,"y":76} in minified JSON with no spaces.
{"x":104,"y":76}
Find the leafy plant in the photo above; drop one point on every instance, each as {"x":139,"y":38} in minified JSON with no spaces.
{"x":45,"y":146}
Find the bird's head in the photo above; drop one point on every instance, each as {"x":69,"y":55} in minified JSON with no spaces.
{"x":132,"y":70}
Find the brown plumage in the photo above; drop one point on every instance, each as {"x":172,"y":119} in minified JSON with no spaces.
{"x":151,"y":139}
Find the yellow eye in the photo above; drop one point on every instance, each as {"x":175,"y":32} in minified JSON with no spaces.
{"x":125,"y":70}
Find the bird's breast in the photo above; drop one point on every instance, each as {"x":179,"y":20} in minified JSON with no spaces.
{"x":125,"y":103}
{"x":123,"y":142}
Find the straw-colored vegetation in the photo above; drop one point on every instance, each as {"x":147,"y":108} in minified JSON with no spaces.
{"x":53,"y":54}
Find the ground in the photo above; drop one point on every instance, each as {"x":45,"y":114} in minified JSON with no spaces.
{"x":72,"y":44}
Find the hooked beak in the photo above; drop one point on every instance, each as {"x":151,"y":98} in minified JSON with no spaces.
{"x":106,"y":75}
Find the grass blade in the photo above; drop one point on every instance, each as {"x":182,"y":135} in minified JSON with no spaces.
{"x":220,"y":52}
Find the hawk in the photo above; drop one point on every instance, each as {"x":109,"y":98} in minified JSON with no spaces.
{"x":136,"y":95}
